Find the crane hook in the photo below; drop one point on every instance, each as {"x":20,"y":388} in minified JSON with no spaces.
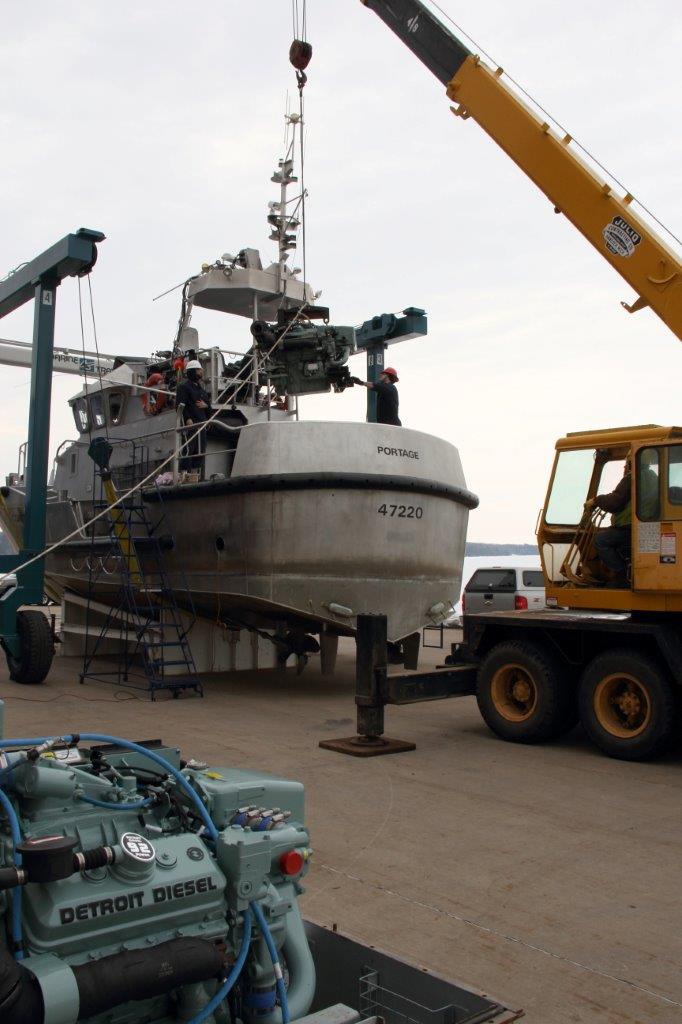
{"x":300,"y":53}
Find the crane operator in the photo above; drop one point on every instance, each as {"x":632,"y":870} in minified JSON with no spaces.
{"x":387,"y":395}
{"x":613,"y":542}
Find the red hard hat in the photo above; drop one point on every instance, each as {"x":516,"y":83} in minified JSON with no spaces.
{"x":390,"y":372}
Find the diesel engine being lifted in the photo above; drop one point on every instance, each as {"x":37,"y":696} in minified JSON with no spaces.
{"x":301,"y":358}
{"x":135,"y":887}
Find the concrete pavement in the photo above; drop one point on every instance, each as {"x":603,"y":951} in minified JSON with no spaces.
{"x":545,"y":876}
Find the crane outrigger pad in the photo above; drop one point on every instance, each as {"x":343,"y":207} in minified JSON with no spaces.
{"x":368,"y":746}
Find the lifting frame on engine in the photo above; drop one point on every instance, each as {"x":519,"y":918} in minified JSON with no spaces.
{"x":375,"y":688}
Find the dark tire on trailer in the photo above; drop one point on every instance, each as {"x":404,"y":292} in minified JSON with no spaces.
{"x":628,"y":705}
{"x":37,"y":648}
{"x":523,"y":693}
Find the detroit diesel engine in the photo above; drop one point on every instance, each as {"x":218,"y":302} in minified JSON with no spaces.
{"x":302,"y":358}
{"x":136,"y":888}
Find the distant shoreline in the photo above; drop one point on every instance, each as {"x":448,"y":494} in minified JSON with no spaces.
{"x":475,"y":548}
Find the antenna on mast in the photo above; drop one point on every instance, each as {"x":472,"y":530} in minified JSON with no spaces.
{"x":284,"y":224}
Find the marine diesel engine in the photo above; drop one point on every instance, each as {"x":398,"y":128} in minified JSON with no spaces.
{"x":135,"y":887}
{"x":303,"y":358}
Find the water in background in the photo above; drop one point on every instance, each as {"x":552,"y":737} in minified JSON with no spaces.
{"x":474,"y":562}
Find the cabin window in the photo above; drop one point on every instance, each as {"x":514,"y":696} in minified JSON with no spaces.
{"x":610,"y":476}
{"x":81,"y":415}
{"x":675,"y":475}
{"x":74,"y":462}
{"x":116,"y":400}
{"x":97,"y":410}
{"x":648,"y":485}
{"x":492,"y":579}
{"x":569,"y":487}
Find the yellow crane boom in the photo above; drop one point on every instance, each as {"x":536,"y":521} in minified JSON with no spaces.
{"x":606,"y":219}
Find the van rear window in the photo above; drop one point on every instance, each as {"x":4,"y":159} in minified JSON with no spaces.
{"x":492,"y":579}
{"x":533,"y":578}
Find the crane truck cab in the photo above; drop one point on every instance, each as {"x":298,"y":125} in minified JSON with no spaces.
{"x":608,"y":656}
{"x":591,"y":463}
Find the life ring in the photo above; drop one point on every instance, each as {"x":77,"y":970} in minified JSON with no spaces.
{"x":153,"y":401}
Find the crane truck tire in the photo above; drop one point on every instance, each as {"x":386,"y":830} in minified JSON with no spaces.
{"x":628,"y":705}
{"x":37,"y":648}
{"x":523,"y":694}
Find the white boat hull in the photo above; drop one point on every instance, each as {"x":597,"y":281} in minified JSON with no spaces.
{"x":317,"y":523}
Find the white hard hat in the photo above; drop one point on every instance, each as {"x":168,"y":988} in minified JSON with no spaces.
{"x":194,"y":364}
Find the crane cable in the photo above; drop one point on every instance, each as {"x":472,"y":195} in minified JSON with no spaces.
{"x":300,"y":53}
{"x":97,"y":356}
{"x":303,"y":194}
{"x":85,"y":380}
{"x":299,"y":19}
{"x":558,"y":124}
{"x":99,"y":361}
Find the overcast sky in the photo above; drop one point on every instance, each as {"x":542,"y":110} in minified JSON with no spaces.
{"x":160,"y":123}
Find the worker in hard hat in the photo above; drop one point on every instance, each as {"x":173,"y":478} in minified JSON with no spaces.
{"x":196,"y":403}
{"x":387,"y":395}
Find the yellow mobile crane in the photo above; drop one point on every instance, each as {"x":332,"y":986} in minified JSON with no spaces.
{"x":610,"y":653}
{"x":607,"y":220}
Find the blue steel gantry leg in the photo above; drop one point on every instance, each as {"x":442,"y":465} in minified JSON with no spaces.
{"x":31,"y":578}
{"x":374,"y":337}
{"x":375,"y":367}
{"x":38,"y":280}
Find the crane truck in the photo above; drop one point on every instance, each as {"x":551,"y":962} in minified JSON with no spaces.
{"x":609,"y":656}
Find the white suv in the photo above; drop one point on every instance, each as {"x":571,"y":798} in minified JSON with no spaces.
{"x":500,"y":588}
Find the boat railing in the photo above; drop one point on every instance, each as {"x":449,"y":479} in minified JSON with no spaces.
{"x":243,"y":388}
{"x":184,"y":432}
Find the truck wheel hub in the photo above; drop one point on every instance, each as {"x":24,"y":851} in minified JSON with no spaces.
{"x":514,"y":693}
{"x":629,"y":704}
{"x":622,"y":705}
{"x":521,"y":691}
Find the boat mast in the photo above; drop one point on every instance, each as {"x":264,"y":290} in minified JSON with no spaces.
{"x":282,"y":223}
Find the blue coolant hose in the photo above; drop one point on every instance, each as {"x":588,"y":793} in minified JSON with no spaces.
{"x":257,"y":912}
{"x":95,"y":737}
{"x":232,"y":977}
{"x":17,"y":936}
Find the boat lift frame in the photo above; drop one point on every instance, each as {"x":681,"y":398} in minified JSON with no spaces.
{"x":74,"y":255}
{"x":374,"y":337}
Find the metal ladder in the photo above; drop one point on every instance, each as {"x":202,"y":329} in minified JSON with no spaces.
{"x":146,"y":615}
